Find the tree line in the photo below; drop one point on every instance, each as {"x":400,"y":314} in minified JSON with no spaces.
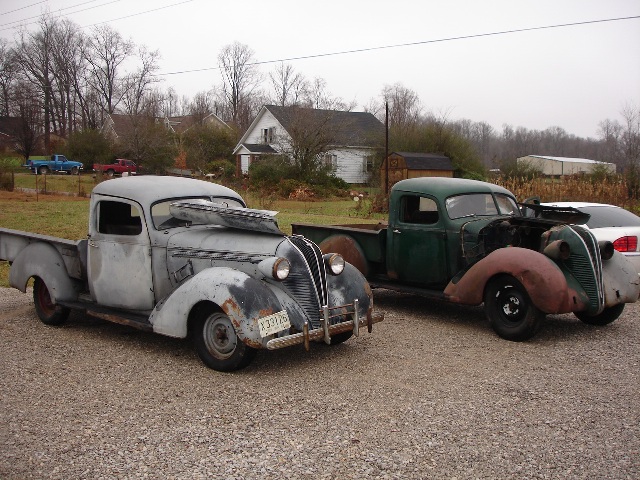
{"x":61,"y":81}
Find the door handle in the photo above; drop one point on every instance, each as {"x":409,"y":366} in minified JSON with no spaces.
{"x":396,"y":231}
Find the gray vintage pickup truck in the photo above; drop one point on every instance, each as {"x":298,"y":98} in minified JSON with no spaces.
{"x":186,"y":257}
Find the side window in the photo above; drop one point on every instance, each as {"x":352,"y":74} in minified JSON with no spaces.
{"x":420,"y":210}
{"x":118,"y":218}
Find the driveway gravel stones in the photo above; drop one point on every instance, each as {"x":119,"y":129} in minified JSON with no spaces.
{"x":432,"y":393}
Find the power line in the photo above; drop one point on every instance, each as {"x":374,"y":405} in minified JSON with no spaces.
{"x":410,"y":44}
{"x":59,"y":10}
{"x":22,"y":8}
{"x":141,"y":13}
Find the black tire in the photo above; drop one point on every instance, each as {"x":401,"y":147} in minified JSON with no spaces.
{"x":110,"y":173}
{"x":48,"y":312}
{"x":43,"y":170}
{"x":509,"y":309}
{"x":217,"y":344}
{"x":339,"y":338}
{"x":605,"y":317}
{"x":75,"y":171}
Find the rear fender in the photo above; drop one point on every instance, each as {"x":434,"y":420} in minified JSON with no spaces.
{"x":348,"y":248}
{"x":43,"y":260}
{"x":542,"y":278}
{"x":243,"y":298}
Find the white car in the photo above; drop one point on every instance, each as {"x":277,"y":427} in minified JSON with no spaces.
{"x":615,"y":224}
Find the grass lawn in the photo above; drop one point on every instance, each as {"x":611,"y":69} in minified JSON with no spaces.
{"x":68,"y":216}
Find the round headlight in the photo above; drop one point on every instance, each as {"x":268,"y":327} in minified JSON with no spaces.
{"x":281,"y":268}
{"x":335,"y":263}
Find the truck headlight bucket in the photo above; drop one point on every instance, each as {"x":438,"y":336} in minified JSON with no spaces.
{"x":276,"y":267}
{"x":606,"y":249}
{"x":558,"y":250}
{"x":335,"y":263}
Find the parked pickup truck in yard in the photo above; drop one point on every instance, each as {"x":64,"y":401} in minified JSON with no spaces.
{"x":183,"y":257}
{"x":53,"y":163}
{"x":467,"y":242}
{"x":118,"y":167}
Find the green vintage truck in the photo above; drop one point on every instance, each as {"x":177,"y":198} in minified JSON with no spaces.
{"x":470,"y":242}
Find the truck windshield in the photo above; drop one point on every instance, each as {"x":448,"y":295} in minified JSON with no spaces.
{"x":162,"y":219}
{"x":480,"y":205}
{"x":507,"y":205}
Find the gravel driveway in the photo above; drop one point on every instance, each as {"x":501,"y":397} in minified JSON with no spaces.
{"x":432,"y":393}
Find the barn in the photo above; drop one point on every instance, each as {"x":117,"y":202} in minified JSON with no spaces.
{"x":403,"y":165}
{"x":561,"y":166}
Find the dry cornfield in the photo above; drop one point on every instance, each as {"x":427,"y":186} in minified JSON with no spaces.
{"x":613,"y":191}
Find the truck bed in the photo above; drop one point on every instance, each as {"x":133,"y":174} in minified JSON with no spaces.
{"x":372,"y":237}
{"x":74,"y":252}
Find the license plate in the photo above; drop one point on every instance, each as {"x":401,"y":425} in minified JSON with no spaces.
{"x":274,"y":323}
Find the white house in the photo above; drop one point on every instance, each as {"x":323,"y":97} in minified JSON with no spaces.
{"x":355,"y":138}
{"x":559,"y":166}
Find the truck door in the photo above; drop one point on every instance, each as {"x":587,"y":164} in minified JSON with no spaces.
{"x":417,"y":239}
{"x":119,"y":260}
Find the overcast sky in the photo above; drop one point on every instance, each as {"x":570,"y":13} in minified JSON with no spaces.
{"x":572,"y":77}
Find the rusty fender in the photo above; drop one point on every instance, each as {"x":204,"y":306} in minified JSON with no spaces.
{"x":620,"y":279}
{"x":544,"y":281}
{"x":348,"y":248}
{"x":44,"y":261}
{"x":243,"y":298}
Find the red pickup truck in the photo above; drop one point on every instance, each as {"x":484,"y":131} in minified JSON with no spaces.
{"x":118,"y":167}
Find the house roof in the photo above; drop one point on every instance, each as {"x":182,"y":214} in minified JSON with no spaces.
{"x":426,"y":161}
{"x":361,"y":129}
{"x":565,"y":159}
{"x":258,"y":147}
{"x":182,"y":123}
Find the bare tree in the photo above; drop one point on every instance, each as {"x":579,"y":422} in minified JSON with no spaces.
{"x":290,"y":87}
{"x":34,"y":57}
{"x":200,"y":106}
{"x":138,"y":84}
{"x":404,"y":107}
{"x":30,"y":124}
{"x":8,"y":76}
{"x":239,"y":77}
{"x":106,"y":53}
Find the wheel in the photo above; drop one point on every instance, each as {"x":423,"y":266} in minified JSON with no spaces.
{"x":48,"y":312}
{"x":509,"y":309}
{"x":110,"y":173}
{"x":75,"y":171}
{"x":217,"y":344}
{"x":43,"y":170}
{"x":605,"y":317}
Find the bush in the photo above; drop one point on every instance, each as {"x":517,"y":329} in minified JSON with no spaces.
{"x":220,"y":169}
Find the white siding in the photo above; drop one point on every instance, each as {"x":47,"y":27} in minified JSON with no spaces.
{"x":351,"y":164}
{"x":564,"y":166}
{"x":266,"y":121}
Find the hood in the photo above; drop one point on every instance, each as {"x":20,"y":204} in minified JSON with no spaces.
{"x":205,"y":212}
{"x":568,"y":215}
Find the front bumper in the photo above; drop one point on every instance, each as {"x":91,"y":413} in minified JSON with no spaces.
{"x":326,"y":330}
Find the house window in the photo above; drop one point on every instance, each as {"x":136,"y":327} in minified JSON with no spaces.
{"x":330,"y":160}
{"x":268,"y":134}
{"x":367,"y":164}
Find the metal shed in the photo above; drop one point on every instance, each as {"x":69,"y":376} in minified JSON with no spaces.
{"x":561,"y":166}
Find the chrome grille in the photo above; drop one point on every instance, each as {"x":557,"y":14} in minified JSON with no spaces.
{"x":588,"y":270}
{"x":307,"y":281}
